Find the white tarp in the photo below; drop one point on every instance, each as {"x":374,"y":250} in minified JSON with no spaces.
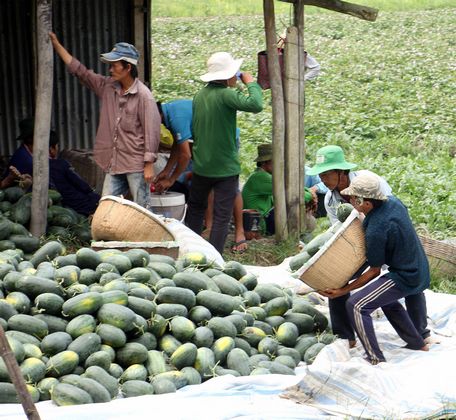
{"x":340,"y":383}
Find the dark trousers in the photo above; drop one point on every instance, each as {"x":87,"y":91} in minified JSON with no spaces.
{"x":381,"y":293}
{"x":417,"y":310}
{"x":341,"y":326}
{"x":225,"y":190}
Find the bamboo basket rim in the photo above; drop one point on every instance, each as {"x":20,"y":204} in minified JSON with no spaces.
{"x":159,"y":219}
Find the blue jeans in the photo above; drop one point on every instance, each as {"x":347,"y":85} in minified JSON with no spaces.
{"x":119,"y":184}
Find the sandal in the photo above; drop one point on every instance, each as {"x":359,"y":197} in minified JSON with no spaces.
{"x":239,"y":246}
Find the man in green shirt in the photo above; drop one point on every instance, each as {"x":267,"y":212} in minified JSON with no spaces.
{"x":257,"y":192}
{"x":215,"y":153}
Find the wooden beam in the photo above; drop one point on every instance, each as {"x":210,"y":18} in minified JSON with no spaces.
{"x":16,"y":378}
{"x":292,"y":95}
{"x":298,"y":22}
{"x":356,"y":10}
{"x":42,"y":118}
{"x":138,"y":36}
{"x":278,"y":122}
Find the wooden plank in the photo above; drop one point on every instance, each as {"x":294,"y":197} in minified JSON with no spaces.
{"x":293,"y":129}
{"x":298,"y":21}
{"x":278,"y":123}
{"x":355,"y":10}
{"x":42,"y":118}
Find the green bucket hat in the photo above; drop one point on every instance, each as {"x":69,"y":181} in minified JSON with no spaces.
{"x":264,"y":152}
{"x":330,"y":158}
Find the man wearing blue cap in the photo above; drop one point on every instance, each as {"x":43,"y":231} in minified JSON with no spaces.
{"x":128,"y":133}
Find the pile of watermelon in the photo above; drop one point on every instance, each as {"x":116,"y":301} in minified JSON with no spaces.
{"x":89,"y":326}
{"x":15,"y":213}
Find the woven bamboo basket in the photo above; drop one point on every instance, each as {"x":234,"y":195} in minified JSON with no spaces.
{"x":339,"y":259}
{"x":441,"y":255}
{"x":118,"y":219}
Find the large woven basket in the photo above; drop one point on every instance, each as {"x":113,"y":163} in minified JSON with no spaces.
{"x":339,"y":259}
{"x":118,"y":219}
{"x":441,"y":255}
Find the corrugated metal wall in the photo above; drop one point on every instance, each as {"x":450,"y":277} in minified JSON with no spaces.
{"x":86,"y":28}
{"x":16,"y":76}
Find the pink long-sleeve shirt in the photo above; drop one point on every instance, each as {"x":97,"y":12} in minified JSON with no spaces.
{"x":128,"y":133}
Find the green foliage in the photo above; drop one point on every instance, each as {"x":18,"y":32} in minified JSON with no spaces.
{"x":194,"y":8}
{"x":385,"y":94}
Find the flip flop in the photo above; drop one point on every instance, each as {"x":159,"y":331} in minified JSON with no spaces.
{"x":236,"y":244}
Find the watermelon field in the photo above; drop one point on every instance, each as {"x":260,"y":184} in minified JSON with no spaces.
{"x":385,"y":93}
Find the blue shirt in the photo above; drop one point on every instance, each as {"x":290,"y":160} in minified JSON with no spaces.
{"x":76,"y":193}
{"x":22,"y":160}
{"x":391,"y":239}
{"x":177,"y":117}
{"x":311,"y":180}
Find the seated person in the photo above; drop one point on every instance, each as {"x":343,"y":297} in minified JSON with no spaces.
{"x":258,"y":195}
{"x":75,"y":192}
{"x":20,"y":166}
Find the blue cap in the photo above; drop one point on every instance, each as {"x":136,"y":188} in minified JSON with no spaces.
{"x":121,"y":51}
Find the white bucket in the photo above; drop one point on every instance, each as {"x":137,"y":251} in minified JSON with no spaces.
{"x":169,"y":204}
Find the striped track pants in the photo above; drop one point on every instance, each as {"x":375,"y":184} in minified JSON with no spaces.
{"x":381,"y":293}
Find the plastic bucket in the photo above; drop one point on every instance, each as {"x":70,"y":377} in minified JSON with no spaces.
{"x":169,"y":204}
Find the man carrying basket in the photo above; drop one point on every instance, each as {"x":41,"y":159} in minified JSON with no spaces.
{"x":391,"y":240}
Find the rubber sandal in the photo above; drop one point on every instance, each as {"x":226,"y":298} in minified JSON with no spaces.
{"x":236,"y":244}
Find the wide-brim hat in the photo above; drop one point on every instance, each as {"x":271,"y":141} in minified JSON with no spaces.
{"x":221,"y":66}
{"x":264,"y":152}
{"x":121,"y":51}
{"x":329,"y":158}
{"x":365,"y":186}
{"x":26,"y":127}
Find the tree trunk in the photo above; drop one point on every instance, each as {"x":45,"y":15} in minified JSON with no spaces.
{"x":42,"y":118}
{"x":16,"y":378}
{"x":278,"y":122}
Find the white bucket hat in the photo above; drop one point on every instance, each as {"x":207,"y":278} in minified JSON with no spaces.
{"x":221,"y":66}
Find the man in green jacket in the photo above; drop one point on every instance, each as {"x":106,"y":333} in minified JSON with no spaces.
{"x":215,"y":153}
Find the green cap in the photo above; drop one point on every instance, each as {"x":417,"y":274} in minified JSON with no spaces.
{"x":330,"y":158}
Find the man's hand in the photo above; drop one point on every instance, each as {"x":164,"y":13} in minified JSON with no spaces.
{"x":163,"y":185}
{"x":246,"y":77}
{"x":149,"y":173}
{"x":333,"y":293}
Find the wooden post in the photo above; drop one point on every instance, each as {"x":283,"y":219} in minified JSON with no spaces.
{"x":298,"y":18}
{"x":42,"y":118}
{"x":278,"y":123}
{"x":16,"y":378}
{"x":293,"y":131}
